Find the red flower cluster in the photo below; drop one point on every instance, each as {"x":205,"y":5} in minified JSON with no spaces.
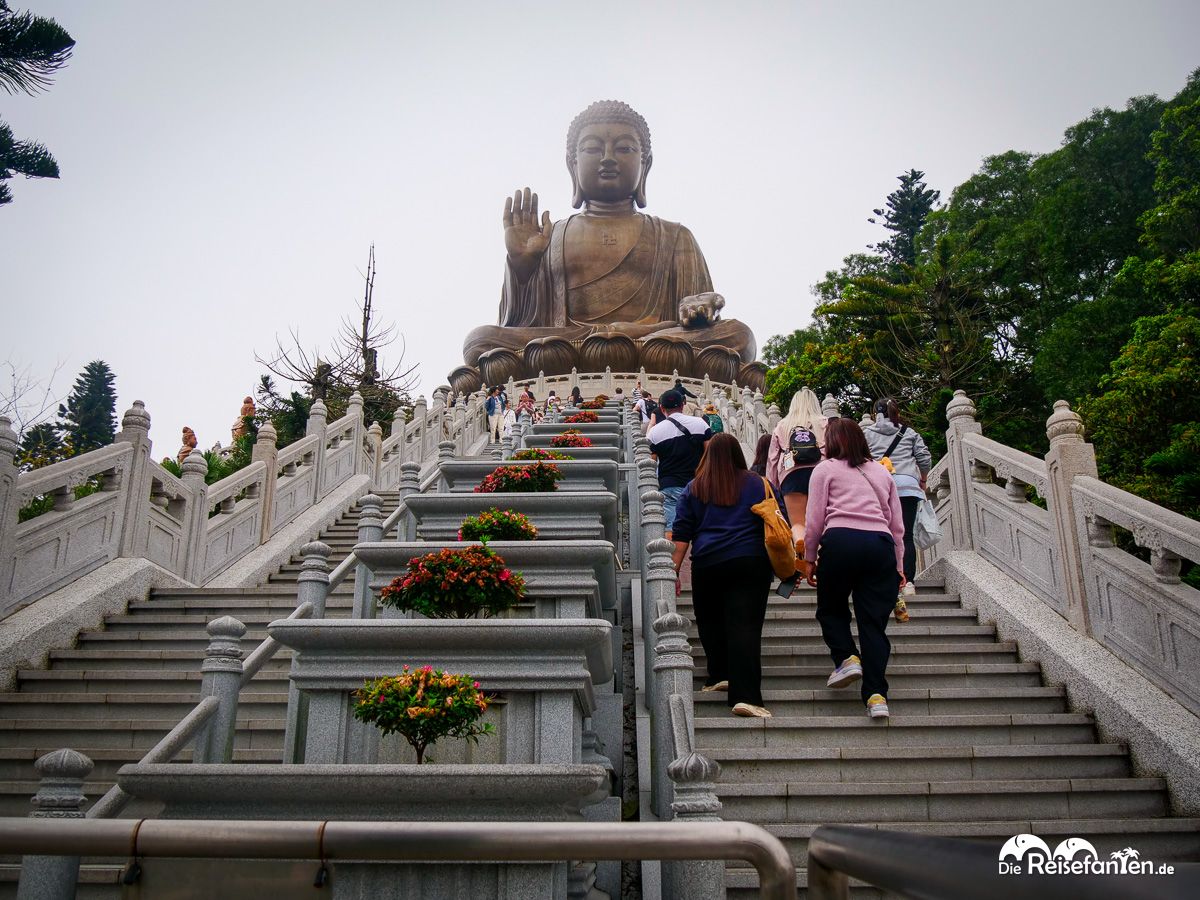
{"x":580,"y":417}
{"x":522,"y":479}
{"x":598,"y":403}
{"x":572,"y":437}
{"x":498,"y":525}
{"x":536,"y":453}
{"x":455,"y":583}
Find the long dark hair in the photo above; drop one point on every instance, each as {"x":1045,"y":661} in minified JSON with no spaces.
{"x":720,"y":472}
{"x":761,"y":451}
{"x":844,"y":439}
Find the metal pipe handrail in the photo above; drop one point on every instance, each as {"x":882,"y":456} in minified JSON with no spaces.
{"x":938,"y":868}
{"x":415,"y":841}
{"x":115,"y":799}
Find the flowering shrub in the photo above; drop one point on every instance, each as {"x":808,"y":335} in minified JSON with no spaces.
{"x":570,"y":438}
{"x":586,"y":416}
{"x":537,"y":476}
{"x":455,"y":583}
{"x":602,"y":397}
{"x":592,"y":404}
{"x":535,"y":453}
{"x":497,"y":525}
{"x":424,"y":705}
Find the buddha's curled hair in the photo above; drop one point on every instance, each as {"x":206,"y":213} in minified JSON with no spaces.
{"x":608,"y":111}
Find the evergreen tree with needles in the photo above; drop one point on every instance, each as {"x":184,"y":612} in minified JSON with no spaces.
{"x":89,"y":417}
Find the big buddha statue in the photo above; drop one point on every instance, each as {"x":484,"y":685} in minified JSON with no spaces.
{"x":609,"y":285}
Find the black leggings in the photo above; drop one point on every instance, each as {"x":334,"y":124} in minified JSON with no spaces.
{"x":908,"y":508}
{"x":730,"y":602}
{"x":862,"y":564}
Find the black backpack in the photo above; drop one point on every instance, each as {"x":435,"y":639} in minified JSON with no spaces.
{"x":650,"y":408}
{"x":803,"y":445}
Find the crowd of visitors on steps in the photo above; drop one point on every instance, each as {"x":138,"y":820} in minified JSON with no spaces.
{"x":850,"y":495}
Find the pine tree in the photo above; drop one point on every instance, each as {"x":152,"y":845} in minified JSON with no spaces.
{"x":904,"y":212}
{"x":89,"y":417}
{"x":32,"y":49}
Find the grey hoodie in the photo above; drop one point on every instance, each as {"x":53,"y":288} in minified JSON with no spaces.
{"x":910,"y":460}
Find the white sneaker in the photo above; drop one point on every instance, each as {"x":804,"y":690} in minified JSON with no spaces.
{"x":848,"y":672}
{"x":877,"y":707}
{"x":750,"y":711}
{"x":910,"y":590}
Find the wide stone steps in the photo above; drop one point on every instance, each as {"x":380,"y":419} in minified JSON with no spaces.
{"x":126,"y":685}
{"x":977,"y":745}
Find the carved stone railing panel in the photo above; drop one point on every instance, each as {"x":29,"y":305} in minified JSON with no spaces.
{"x":1140,"y":610}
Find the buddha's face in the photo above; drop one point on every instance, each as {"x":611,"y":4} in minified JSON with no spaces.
{"x":608,"y":162}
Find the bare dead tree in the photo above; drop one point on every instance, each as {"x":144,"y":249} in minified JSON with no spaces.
{"x":352,"y":361}
{"x":25,"y":400}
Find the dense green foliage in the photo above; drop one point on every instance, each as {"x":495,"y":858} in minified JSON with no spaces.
{"x":32,"y":49}
{"x":1071,"y":275}
{"x":89,"y":417}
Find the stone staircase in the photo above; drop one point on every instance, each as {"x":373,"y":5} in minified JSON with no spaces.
{"x":978,"y":746}
{"x":124,"y":686}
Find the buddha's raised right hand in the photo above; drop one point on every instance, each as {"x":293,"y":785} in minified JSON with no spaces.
{"x":524,"y":238}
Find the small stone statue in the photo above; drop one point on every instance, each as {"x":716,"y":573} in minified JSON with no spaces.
{"x":189,"y":444}
{"x":248,"y":411}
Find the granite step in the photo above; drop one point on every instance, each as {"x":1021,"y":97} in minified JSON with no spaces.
{"x":901,"y":701}
{"x":110,"y":658}
{"x":903,"y":653}
{"x":945,"y":801}
{"x":854,"y":765}
{"x":79,"y":706}
{"x":784,"y":733}
{"x":16,"y":763}
{"x":901,"y":676}
{"x":114,"y":681}
{"x":141,"y":734}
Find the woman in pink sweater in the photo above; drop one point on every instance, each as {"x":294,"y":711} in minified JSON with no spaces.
{"x":854,"y":535}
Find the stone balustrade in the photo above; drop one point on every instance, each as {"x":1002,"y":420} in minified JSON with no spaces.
{"x":1067,"y":553}
{"x":193,"y":530}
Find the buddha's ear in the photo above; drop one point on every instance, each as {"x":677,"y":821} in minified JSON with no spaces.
{"x":639,"y":193}
{"x":576,"y":193}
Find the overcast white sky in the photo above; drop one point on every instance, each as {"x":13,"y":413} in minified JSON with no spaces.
{"x":226,"y":165}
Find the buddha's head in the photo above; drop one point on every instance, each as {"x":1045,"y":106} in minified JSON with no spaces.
{"x":608,"y":154}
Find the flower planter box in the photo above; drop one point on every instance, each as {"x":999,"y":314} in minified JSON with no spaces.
{"x":563,"y":579}
{"x":544,"y":668}
{"x":558,"y":515}
{"x":588,"y":428}
{"x":463,"y":475}
{"x":598,"y":438}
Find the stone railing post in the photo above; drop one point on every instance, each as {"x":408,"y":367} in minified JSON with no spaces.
{"x":266,"y":452}
{"x":960,"y":412}
{"x":506,"y":446}
{"x":318,"y":420}
{"x":313,"y":581}
{"x":829,"y":407}
{"x":445,"y":455}
{"x":459,"y":413}
{"x":220,"y":677}
{"x":410,"y":483}
{"x":8,"y":503}
{"x":693,"y":777}
{"x":773,"y":417}
{"x":370,"y":529}
{"x":375,"y":442}
{"x":135,"y":522}
{"x":672,"y":666}
{"x":195,"y":470}
{"x":60,"y":796}
{"x":354,"y":408}
{"x":420,"y":411}
{"x":1069,"y":456}
{"x":653,"y":520}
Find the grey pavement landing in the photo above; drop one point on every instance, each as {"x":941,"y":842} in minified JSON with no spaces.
{"x":977,"y":746}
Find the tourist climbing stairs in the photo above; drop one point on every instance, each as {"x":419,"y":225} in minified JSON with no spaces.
{"x":977,"y":746}
{"x":125,"y":685}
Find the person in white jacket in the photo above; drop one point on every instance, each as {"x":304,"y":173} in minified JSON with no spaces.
{"x":909,"y":461}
